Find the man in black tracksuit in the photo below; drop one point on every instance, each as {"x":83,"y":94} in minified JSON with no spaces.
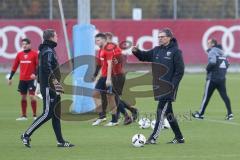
{"x":216,"y":79}
{"x":49,"y":77}
{"x":167,"y":70}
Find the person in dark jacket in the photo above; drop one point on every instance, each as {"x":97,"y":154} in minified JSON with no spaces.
{"x":49,"y":77}
{"x":167,"y":71}
{"x":216,"y":79}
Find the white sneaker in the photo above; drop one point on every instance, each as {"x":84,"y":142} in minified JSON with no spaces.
{"x":21,"y":119}
{"x":111,"y":124}
{"x":98,"y":121}
{"x":35,"y":117}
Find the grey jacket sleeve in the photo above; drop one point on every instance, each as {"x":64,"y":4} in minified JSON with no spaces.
{"x":212,"y":60}
{"x":178,"y":67}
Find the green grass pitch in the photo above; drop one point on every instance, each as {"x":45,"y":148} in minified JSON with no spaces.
{"x":210,"y":139}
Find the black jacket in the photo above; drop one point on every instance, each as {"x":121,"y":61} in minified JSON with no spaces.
{"x":168,"y":58}
{"x":48,"y":68}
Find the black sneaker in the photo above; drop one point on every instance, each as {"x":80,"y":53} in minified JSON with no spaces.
{"x":127,"y":120}
{"x":26,"y":141}
{"x":151,"y":141}
{"x":176,"y":141}
{"x":197,"y":115}
{"x":229,"y":117}
{"x":135,"y":114}
{"x":65,"y":144}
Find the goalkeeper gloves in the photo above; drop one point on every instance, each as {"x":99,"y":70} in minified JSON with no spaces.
{"x":58,"y":87}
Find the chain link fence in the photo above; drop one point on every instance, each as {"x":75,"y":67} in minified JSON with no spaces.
{"x":122,"y":9}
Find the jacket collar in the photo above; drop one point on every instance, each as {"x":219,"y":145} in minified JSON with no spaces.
{"x":50,"y":43}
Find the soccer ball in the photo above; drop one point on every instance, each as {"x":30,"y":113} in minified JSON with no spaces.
{"x":138,"y":140}
{"x":7,"y":76}
{"x":153,"y":124}
{"x":166,"y":124}
{"x":144,"y":123}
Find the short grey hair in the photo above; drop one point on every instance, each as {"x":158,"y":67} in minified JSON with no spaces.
{"x":48,"y":34}
{"x":167,"y":31}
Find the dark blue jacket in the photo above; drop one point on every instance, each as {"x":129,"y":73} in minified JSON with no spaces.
{"x":217,"y":64}
{"x":167,"y":69}
{"x":48,"y":64}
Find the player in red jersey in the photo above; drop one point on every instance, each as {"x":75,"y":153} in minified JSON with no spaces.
{"x":103,"y":103}
{"x":118,"y":79}
{"x":116,"y":69}
{"x":28,"y":62}
{"x":104,"y":83}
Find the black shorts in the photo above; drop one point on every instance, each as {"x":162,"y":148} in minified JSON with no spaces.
{"x":118,"y":83}
{"x":101,"y":84}
{"x":25,"y":86}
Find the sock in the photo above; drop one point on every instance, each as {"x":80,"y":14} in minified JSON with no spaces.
{"x":102,"y":115}
{"x":24,"y":107}
{"x":34,"y":107}
{"x":127,"y":106}
{"x":121,"y":108}
{"x":114,"y":118}
{"x":118,"y":113}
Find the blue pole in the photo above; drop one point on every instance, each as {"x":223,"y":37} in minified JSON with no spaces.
{"x":83,"y":44}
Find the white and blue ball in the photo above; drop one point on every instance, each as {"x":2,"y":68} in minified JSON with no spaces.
{"x":144,"y":123}
{"x":153,"y":122}
{"x":138,"y":140}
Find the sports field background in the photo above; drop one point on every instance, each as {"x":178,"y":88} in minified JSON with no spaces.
{"x":210,"y":139}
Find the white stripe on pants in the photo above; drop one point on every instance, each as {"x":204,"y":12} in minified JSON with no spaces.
{"x":44,"y":116}
{"x":205,"y":95}
{"x":161,"y":121}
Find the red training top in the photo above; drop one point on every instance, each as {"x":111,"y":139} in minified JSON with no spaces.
{"x":117,"y":61}
{"x":110,"y":52}
{"x":104,"y":56}
{"x":28,"y":64}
